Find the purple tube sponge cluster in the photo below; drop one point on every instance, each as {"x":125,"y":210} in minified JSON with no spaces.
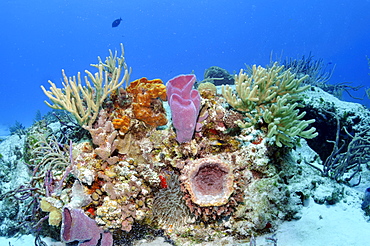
{"x":184,"y":102}
{"x":78,"y":227}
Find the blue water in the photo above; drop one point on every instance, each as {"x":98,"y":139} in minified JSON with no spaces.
{"x":165,"y":38}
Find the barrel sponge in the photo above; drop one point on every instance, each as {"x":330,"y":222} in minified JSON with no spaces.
{"x":209,"y":181}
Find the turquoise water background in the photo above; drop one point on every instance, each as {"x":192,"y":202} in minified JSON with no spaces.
{"x":165,"y":38}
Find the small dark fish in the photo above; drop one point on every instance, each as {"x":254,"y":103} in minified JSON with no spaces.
{"x":116,"y":22}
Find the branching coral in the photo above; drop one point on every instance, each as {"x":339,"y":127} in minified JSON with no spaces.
{"x":262,"y":87}
{"x":48,"y":155}
{"x":271,"y":95}
{"x":316,"y":69}
{"x":285,"y":122}
{"x":347,"y":156}
{"x":84,"y":102}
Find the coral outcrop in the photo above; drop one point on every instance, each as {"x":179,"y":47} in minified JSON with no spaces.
{"x":212,"y":174}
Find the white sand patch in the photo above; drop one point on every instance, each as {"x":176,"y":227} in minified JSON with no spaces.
{"x":27,"y":240}
{"x":343,"y":224}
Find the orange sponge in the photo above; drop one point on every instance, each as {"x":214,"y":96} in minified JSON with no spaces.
{"x":155,"y":88}
{"x":122,"y":124}
{"x":146,"y":101}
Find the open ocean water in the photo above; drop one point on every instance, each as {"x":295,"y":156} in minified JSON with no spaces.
{"x":165,"y":38}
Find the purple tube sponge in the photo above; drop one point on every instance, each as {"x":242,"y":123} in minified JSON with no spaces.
{"x":78,"y":227}
{"x":184,"y":102}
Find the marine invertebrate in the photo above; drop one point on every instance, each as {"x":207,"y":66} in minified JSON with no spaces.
{"x":47,"y":154}
{"x":122,"y":124}
{"x":84,"y":102}
{"x":185,"y":105}
{"x":348,"y":154}
{"x":53,"y":206}
{"x":285,"y":122}
{"x":262,"y":87}
{"x":77,"y":226}
{"x":145,"y":103}
{"x":155,"y":88}
{"x":316,"y":69}
{"x":270,"y":95}
{"x":169,"y":208}
{"x":17,"y":129}
{"x":209,"y":181}
{"x":104,"y":135}
{"x":207,"y":90}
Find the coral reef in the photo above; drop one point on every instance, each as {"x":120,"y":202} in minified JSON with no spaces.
{"x":212,"y":174}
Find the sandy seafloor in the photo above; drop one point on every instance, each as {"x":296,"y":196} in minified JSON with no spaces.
{"x":342,"y":224}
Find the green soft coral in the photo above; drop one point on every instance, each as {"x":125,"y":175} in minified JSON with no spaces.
{"x":271,"y":94}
